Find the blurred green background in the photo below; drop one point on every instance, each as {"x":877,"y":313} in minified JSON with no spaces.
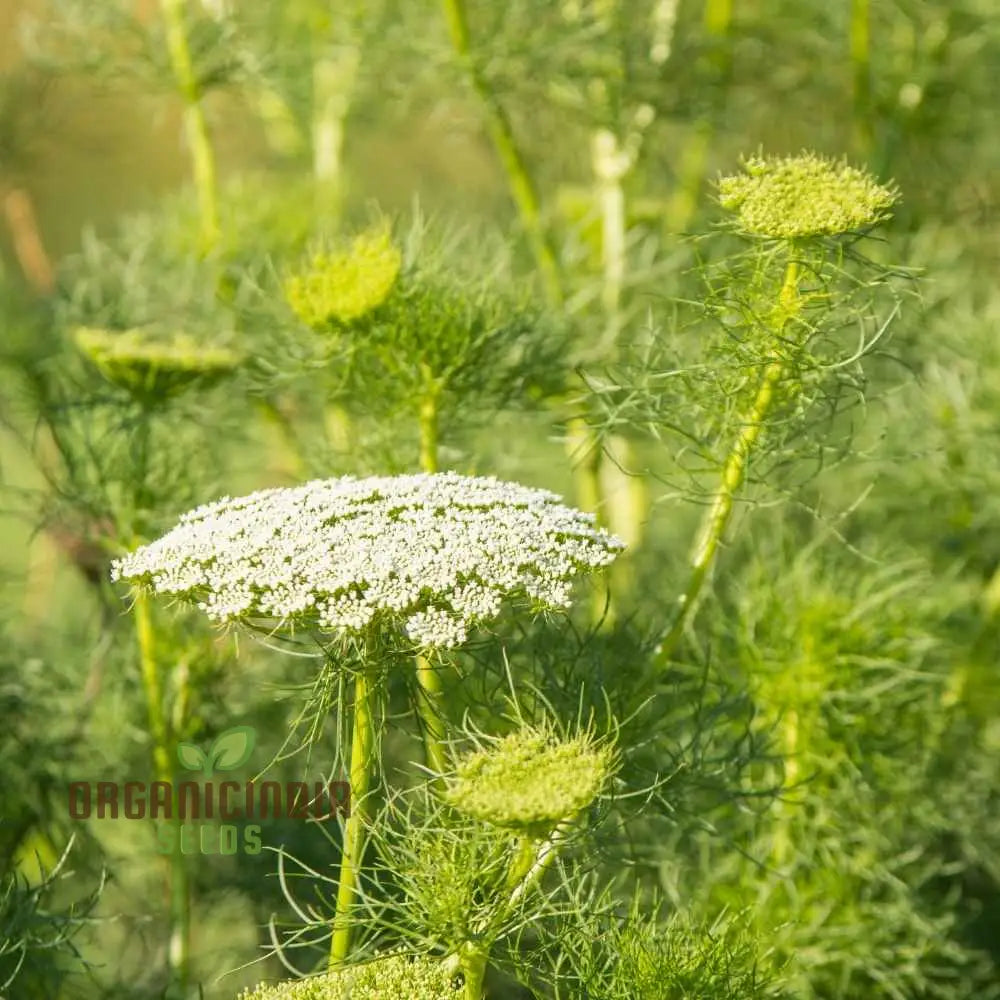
{"x":896,"y":892}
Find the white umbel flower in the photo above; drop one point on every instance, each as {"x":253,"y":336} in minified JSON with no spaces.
{"x":435,"y":554}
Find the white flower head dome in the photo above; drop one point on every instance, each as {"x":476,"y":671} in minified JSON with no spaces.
{"x":434,"y":554}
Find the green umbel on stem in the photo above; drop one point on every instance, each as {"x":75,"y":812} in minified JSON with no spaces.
{"x":535,"y":784}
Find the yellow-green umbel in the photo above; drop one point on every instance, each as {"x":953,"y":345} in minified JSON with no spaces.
{"x":342,"y":287}
{"x":530,"y":780}
{"x":806,"y":195}
{"x":397,"y":977}
{"x":151,"y":367}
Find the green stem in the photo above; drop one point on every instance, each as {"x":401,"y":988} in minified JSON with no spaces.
{"x":734,"y":470}
{"x":428,"y":677}
{"x":789,"y":734}
{"x":429,"y":706}
{"x":195,"y":126}
{"x":362,"y":760}
{"x":585,"y":454}
{"x":501,"y":133}
{"x":153,"y":687}
{"x":428,"y":420}
{"x":179,"y":947}
{"x":861,"y":74}
{"x":718,"y":17}
{"x":474,"y":960}
{"x":334,"y":76}
{"x":289,"y":448}
{"x":532,"y":859}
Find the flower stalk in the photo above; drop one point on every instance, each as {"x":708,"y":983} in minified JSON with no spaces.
{"x":861,"y":74}
{"x":429,"y":692}
{"x":195,"y":126}
{"x":734,"y":470}
{"x":532,"y":859}
{"x":363,"y":753}
{"x":519,"y":180}
{"x":179,"y":947}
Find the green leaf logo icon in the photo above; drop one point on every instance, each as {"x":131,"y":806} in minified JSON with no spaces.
{"x":192,"y":757}
{"x":231,"y":749}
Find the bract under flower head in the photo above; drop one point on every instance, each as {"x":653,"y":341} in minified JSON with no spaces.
{"x":529,"y":779}
{"x":341,"y":287}
{"x":807,"y":195}
{"x":394,"y":978}
{"x":150,"y":367}
{"x":434,"y":554}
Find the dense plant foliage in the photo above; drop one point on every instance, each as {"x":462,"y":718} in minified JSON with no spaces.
{"x":499,"y":500}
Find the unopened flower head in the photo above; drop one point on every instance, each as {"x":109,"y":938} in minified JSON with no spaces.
{"x":530,"y":779}
{"x":397,"y":977}
{"x":153,"y":367}
{"x":341,"y":287}
{"x":807,"y":195}
{"x":434,"y":554}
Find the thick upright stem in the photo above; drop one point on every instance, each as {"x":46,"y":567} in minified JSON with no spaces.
{"x":352,"y":854}
{"x":519,"y":180}
{"x":734,"y":470}
{"x":179,"y":947}
{"x":195,"y":126}
{"x":151,"y":682}
{"x":428,"y":421}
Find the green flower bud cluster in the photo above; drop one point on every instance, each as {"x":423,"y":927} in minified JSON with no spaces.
{"x":150,"y":367}
{"x":402,"y":978}
{"x":342,"y":287}
{"x":806,"y":195}
{"x":394,"y":978}
{"x":529,"y":779}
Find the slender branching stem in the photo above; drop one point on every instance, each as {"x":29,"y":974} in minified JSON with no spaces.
{"x":362,"y":764}
{"x":532,"y":868}
{"x":195,"y":125}
{"x":533,"y":857}
{"x":519,"y":180}
{"x":734,"y":470}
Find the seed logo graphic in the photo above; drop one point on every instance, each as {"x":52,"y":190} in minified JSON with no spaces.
{"x":230,"y":750}
{"x":239,"y":806}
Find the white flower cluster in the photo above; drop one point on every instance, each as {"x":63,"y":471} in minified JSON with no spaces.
{"x":436,"y":553}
